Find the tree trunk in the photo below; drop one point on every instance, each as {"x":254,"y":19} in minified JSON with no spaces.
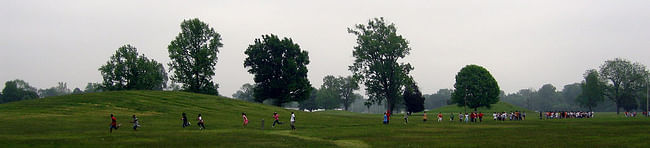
{"x":617,"y":106}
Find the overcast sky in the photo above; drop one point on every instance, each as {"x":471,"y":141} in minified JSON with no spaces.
{"x":524,"y":44}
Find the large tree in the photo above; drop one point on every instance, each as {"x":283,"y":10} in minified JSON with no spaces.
{"x":126,"y":70}
{"x":546,"y":96}
{"x":376,"y":65}
{"x":593,"y":90}
{"x":413,"y":99}
{"x":475,"y":87}
{"x":16,"y":90}
{"x":193,"y":56}
{"x":279,"y":68}
{"x":625,"y":79}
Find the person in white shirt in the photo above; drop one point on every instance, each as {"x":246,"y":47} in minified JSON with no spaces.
{"x":201,"y":124}
{"x":293,"y":121}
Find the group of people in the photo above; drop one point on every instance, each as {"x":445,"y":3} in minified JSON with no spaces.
{"x":565,"y":114}
{"x":469,"y":117}
{"x":503,"y":116}
{"x":633,"y":114}
{"x":115,"y":125}
{"x":201,"y":122}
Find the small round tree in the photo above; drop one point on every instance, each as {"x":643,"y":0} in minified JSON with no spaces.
{"x":475,"y":87}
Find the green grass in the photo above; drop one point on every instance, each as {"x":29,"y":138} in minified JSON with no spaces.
{"x":82,"y":121}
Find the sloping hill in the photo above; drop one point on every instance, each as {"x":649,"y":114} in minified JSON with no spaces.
{"x":498,"y":107}
{"x":83,"y":120}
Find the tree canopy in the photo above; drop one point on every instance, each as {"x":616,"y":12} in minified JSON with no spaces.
{"x":624,"y":80}
{"x":60,"y":89}
{"x":126,"y":70}
{"x":413,"y":99}
{"x":16,"y":90}
{"x":193,"y":56}
{"x":279,"y":68}
{"x":376,"y":65}
{"x":593,"y":90}
{"x":475,"y":87}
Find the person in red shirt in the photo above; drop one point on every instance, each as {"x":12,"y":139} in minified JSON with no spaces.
{"x":277,"y":119}
{"x":472,"y":117}
{"x":439,"y":116}
{"x":388,"y":116}
{"x":114,"y":124}
{"x":480,"y":116}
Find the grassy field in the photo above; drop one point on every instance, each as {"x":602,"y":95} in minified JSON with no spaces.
{"x":83,"y":121}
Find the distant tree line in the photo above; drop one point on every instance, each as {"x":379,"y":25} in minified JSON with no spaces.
{"x":16,"y":90}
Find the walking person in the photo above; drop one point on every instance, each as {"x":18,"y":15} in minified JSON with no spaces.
{"x":480,"y":116}
{"x":245,"y":119}
{"x":114,"y":124}
{"x":293,"y":121}
{"x":135,"y":122}
{"x":201,"y":124}
{"x":439,"y":116}
{"x":277,"y":119}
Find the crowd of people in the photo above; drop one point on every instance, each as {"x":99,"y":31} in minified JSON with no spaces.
{"x":503,"y":116}
{"x":633,"y":114}
{"x":565,"y":114}
{"x":201,"y":122}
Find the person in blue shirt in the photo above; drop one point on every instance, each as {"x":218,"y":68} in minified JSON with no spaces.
{"x":385,"y":119}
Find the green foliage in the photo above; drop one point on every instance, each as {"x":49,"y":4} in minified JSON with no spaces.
{"x":625,"y":79}
{"x":497,"y":107}
{"x":16,"y":90}
{"x":593,"y":90}
{"x":376,"y":65}
{"x":337,"y":91}
{"x":59,"y":90}
{"x":193,"y":56}
{"x":126,"y":70}
{"x":77,"y":91}
{"x":93,"y":87}
{"x":246,"y":93}
{"x":413,"y":99}
{"x":279,"y":68}
{"x":438,"y":99}
{"x":475,"y":87}
{"x":311,"y":103}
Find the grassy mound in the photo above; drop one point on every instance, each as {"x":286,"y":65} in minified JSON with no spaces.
{"x":498,"y":107}
{"x":83,"y":121}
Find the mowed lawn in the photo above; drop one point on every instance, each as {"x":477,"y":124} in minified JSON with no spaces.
{"x":83,"y":121}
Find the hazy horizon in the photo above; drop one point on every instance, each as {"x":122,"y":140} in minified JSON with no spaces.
{"x":524,"y":44}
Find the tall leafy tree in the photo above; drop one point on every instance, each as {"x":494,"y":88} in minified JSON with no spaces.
{"x":193,"y":56}
{"x":570,"y":93}
{"x":475,"y":87}
{"x":593,"y":90}
{"x":624,"y":80}
{"x":279,"y":68}
{"x":413,"y":99}
{"x":376,"y":65}
{"x":126,"y":70}
{"x":246,"y":93}
{"x":546,"y":96}
{"x":16,"y":90}
{"x":348,"y":86}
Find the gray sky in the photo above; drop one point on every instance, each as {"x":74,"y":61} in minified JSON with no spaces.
{"x":524,"y":44}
